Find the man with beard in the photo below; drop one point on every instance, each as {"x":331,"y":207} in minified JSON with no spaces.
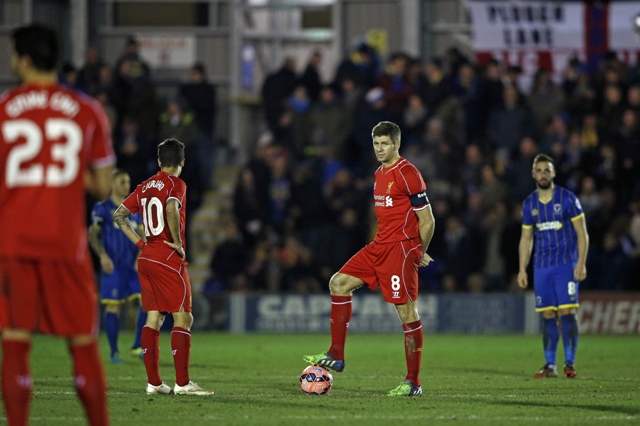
{"x":554,"y":216}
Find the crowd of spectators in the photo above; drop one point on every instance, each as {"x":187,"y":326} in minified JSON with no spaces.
{"x":303,"y":202}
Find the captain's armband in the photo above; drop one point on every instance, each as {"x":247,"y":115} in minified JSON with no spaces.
{"x":420,"y":199}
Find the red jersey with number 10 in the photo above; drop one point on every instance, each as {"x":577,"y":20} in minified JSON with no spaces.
{"x":49,"y":136}
{"x":398,"y":192}
{"x":150,"y":199}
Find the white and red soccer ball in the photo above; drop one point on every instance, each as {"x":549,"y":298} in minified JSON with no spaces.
{"x":316,"y":380}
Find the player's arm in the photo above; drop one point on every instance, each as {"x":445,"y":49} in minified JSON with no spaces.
{"x":173,"y":219}
{"x":426,"y":228}
{"x":120,"y":217}
{"x":580,"y":226}
{"x":95,"y":241}
{"x":524,"y":252}
{"x":140,"y":232}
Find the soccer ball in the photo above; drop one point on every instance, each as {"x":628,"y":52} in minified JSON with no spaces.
{"x":316,"y":380}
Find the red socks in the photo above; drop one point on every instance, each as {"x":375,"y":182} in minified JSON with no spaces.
{"x":90,"y":383}
{"x":16,"y":380}
{"x":413,"y":350}
{"x":151,"y":354}
{"x":341,"y":308}
{"x":181,"y":348}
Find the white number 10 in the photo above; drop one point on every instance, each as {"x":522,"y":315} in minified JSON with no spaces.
{"x":65,"y":153}
{"x":147,"y":216}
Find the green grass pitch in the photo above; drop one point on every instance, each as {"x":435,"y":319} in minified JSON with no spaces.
{"x":474,"y":380}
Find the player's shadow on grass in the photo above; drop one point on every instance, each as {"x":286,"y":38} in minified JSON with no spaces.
{"x":631,"y":411}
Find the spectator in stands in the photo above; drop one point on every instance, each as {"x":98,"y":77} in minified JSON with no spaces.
{"x":611,"y":111}
{"x":589,"y":197}
{"x":229,"y":263}
{"x":299,"y":107}
{"x":633,"y":98}
{"x":494,"y":268}
{"x":133,"y":150}
{"x":311,"y":76}
{"x":200,"y":97}
{"x":69,"y":76}
{"x":89,"y":74}
{"x":299,"y":267}
{"x":279,"y":195}
{"x":627,"y":146}
{"x":556,"y":132}
{"x":492,"y":189}
{"x":330,"y":126}
{"x":179,"y":124}
{"x":276,"y":90}
{"x":360,"y":66}
{"x":460,"y":244}
{"x":433,"y":86}
{"x":519,"y":182}
{"x":509,"y":124}
{"x":249,"y":209}
{"x":133,"y":92}
{"x":414,"y":121}
{"x":396,"y":86}
{"x":545,"y":100}
{"x":466,"y":89}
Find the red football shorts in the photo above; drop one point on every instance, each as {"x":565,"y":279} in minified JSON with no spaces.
{"x":393,"y":267}
{"x":164,"y":287}
{"x":50,"y":296}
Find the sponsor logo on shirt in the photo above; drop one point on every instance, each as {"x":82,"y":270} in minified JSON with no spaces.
{"x":383,"y":201}
{"x":549,"y":226}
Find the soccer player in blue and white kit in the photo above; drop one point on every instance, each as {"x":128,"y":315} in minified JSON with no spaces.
{"x":553,"y":217}
{"x":119,"y":281}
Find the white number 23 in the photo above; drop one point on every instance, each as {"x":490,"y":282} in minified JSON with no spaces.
{"x":36,"y":174}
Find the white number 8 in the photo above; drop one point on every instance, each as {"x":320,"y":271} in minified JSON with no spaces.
{"x":395,"y":283}
{"x":571,"y":288}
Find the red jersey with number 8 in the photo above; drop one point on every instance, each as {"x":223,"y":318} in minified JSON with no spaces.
{"x":150,"y":199}
{"x":49,"y":136}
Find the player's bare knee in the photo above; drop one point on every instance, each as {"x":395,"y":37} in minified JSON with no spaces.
{"x":82,"y":340}
{"x":183,"y":320}
{"x":13,"y":334}
{"x":338,"y":285}
{"x":569,"y":311}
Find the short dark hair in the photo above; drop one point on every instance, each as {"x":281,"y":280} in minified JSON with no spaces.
{"x":542,"y":158}
{"x":38,"y":42}
{"x":199,"y":67}
{"x":118,"y":172}
{"x":387,"y":128}
{"x":170,"y":153}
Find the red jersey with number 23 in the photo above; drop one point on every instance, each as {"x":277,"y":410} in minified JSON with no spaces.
{"x":393,"y":191}
{"x":49,"y":135}
{"x":150,"y":199}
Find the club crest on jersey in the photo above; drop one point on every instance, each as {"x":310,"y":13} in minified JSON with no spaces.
{"x":557,"y":208}
{"x":389,"y":185}
{"x":534,"y":212}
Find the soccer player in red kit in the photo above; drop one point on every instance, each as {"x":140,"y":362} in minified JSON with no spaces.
{"x":391,"y":261}
{"x":54,"y":144}
{"x":164,"y":281}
